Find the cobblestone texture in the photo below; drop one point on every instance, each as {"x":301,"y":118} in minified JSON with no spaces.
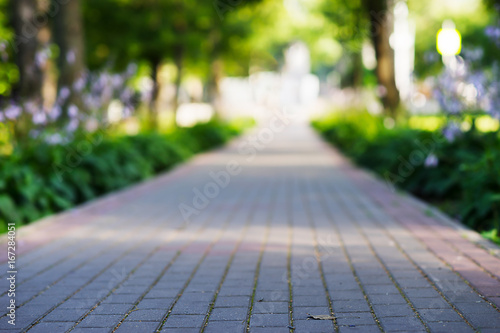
{"x":298,"y":232}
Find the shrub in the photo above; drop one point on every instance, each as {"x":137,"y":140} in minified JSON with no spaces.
{"x":41,"y":179}
{"x":465,"y":181}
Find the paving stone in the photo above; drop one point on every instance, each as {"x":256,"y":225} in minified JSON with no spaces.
{"x":270,"y":307}
{"x":304,"y":291}
{"x":446,"y":327}
{"x":363,"y":328}
{"x":381,"y":289}
{"x":225,"y":326}
{"x":184,"y":321}
{"x":270,"y":330}
{"x":236,"y":291}
{"x":61,"y":315}
{"x":120,"y":299}
{"x":347,"y":295}
{"x":106,"y":309}
{"x":429,"y":303}
{"x":351,"y":306}
{"x":100,"y":321}
{"x":134,"y":327}
{"x":302,"y":312}
{"x":313,"y":326}
{"x":163,"y":293}
{"x":484,"y":320}
{"x":296,"y":194}
{"x":445,"y":315}
{"x":401,"y":323}
{"x":232,"y":301}
{"x":394,"y":310}
{"x":421,"y":292}
{"x":269,"y":320}
{"x":229,"y":314}
{"x":189,"y":308}
{"x":272,"y":295}
{"x":91,"y":330}
{"x":156,"y":303}
{"x":51,"y":327}
{"x":386,"y":299}
{"x":146,"y":315}
{"x":355,"y":319}
{"x":309,"y":300}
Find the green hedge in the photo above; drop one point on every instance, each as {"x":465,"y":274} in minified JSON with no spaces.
{"x":465,"y":182}
{"x":42,"y":179}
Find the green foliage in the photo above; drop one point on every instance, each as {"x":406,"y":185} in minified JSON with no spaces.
{"x":165,"y":30}
{"x":40,"y":180}
{"x":9,"y":73}
{"x":467,"y":174}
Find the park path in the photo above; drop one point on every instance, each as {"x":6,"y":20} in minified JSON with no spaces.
{"x":289,"y":229}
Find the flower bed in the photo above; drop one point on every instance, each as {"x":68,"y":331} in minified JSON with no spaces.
{"x":462,"y":175}
{"x":41,"y":179}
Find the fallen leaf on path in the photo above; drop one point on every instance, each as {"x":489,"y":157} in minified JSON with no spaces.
{"x":320,"y":317}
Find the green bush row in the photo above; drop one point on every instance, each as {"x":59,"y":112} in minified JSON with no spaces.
{"x":465,"y":182}
{"x":42,"y":179}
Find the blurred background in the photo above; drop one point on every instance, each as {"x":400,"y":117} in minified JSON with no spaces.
{"x":97,"y":94}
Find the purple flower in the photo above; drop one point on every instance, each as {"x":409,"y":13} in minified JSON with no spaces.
{"x":39,"y":118}
{"x":494,"y":108}
{"x":116,"y":81}
{"x":73,"y":111}
{"x":131,"y":69}
{"x":128,"y":111}
{"x":79,"y":84}
{"x":12,"y":112}
{"x":126,"y":95}
{"x":493,"y":32}
{"x":71,"y":57}
{"x":34,"y":134}
{"x":72,"y":125}
{"x":54,"y":139}
{"x":90,"y":102}
{"x":451,"y":132}
{"x":55,"y":112}
{"x":431,"y":161}
{"x":2,"y":117}
{"x":64,"y":93}
{"x":31,"y":107}
{"x":5,"y":55}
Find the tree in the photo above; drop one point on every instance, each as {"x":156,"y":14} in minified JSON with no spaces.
{"x":357,"y":20}
{"x":25,"y":48}
{"x":69,"y":37}
{"x":160,"y":30}
{"x":380,"y":16}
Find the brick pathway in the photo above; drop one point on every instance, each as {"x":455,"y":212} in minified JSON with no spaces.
{"x":297,"y":231}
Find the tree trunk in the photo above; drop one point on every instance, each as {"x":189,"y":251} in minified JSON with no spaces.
{"x":25,"y":46}
{"x":215,"y":73}
{"x":178,"y":58}
{"x":68,"y":34}
{"x":381,"y":28}
{"x":153,"y":104}
{"x":357,"y":75}
{"x":213,"y":86}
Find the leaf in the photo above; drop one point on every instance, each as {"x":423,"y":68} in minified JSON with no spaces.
{"x":320,"y":317}
{"x":8,"y":209}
